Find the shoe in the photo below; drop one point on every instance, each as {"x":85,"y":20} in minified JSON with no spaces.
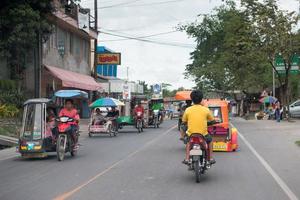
{"x":212,"y":161}
{"x":186,"y":162}
{"x":76,"y":147}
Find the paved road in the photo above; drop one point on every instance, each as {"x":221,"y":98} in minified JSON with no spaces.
{"x":148,"y":166}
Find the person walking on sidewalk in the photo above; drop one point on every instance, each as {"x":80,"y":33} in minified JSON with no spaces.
{"x":277,"y":111}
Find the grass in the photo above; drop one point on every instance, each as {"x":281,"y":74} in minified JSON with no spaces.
{"x":297,"y":142}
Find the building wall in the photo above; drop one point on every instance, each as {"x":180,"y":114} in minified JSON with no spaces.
{"x":76,"y":51}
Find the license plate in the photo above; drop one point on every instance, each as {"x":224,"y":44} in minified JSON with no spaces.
{"x":195,"y":152}
{"x":221,"y":146}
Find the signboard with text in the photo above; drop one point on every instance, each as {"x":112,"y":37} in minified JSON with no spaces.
{"x":109,"y":58}
{"x":280,"y":64}
{"x":126,"y":92}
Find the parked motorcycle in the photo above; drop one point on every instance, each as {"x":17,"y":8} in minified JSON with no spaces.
{"x":198,"y":155}
{"x":65,"y":143}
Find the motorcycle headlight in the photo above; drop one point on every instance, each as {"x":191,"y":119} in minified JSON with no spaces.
{"x":63,"y":119}
{"x":197,"y":147}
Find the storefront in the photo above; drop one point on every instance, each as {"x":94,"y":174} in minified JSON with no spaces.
{"x":55,"y":79}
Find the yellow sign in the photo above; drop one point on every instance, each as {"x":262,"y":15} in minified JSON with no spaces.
{"x":109,"y":59}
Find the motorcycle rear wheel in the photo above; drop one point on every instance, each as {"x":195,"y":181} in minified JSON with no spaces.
{"x":197,"y":170}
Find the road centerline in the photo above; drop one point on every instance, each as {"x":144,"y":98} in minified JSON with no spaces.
{"x":265,"y":164}
{"x":70,"y":193}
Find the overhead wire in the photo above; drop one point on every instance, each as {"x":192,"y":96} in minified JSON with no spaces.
{"x":150,"y":41}
{"x":119,"y":4}
{"x":141,"y":37}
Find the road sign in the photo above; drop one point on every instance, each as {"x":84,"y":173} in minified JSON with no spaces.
{"x":280,"y":67}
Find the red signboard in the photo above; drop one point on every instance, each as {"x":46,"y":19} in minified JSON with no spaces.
{"x":109,"y":59}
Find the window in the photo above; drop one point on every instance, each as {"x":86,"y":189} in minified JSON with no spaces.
{"x":216,"y":112}
{"x":33,"y":122}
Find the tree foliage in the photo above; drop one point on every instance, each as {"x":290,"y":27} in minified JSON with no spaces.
{"x":276,"y":30}
{"x":21,"y":22}
{"x":226,"y":55}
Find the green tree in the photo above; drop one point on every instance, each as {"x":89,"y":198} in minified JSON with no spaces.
{"x":275,"y":29}
{"x":226,"y":55}
{"x":21,"y":23}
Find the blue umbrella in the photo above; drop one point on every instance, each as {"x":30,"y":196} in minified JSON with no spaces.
{"x":71,"y":94}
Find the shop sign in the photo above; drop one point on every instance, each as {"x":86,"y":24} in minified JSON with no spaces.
{"x":126,"y":92}
{"x":109,"y":58}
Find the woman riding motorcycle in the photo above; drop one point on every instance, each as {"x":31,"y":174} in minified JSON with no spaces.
{"x":71,"y":112}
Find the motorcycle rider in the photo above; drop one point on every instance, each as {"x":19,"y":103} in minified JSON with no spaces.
{"x":158,"y":106}
{"x":196,"y":118}
{"x":71,"y":112}
{"x":139,"y":108}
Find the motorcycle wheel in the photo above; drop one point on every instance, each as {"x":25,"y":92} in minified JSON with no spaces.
{"x":90,"y":134}
{"x":197,"y":171}
{"x":110,"y":131}
{"x":139,"y":127}
{"x":155,"y":123}
{"x":60,"y":149}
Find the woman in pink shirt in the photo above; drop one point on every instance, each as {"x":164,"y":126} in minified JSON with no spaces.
{"x":71,"y":112}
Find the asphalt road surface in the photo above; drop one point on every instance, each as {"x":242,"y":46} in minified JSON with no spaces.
{"x":148,"y":167}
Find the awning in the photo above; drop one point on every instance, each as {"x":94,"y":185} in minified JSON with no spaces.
{"x":73,"y":79}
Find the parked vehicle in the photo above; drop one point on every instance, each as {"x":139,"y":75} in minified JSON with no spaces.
{"x":294,"y":109}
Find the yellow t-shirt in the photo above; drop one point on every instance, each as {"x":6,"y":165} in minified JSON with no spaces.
{"x":196,"y":118}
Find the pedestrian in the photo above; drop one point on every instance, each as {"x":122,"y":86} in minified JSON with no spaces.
{"x":277,"y":111}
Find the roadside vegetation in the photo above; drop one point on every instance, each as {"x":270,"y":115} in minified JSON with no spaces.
{"x":11,"y":101}
{"x":237,"y":46}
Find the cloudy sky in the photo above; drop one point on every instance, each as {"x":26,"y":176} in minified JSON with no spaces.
{"x":155,"y":63}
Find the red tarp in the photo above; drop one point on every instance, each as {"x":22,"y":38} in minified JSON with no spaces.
{"x":73,"y":79}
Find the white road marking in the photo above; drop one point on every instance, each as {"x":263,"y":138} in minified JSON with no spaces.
{"x":276,"y":177}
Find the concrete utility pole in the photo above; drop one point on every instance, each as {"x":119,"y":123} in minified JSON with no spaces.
{"x":96,"y":40}
{"x":38,"y":66}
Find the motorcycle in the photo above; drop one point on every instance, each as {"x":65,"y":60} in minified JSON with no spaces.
{"x":198,"y":155}
{"x":139,"y":122}
{"x":156,"y":120}
{"x":65,"y":143}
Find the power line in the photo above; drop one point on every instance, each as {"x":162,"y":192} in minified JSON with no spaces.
{"x":150,"y":41}
{"x":140,"y":5}
{"x":141,"y":37}
{"x":155,"y":3}
{"x":119,"y":4}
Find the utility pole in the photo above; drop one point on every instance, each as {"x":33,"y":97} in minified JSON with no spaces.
{"x":96,"y":40}
{"x":38,"y":66}
{"x":274,"y":87}
{"x":127,"y":73}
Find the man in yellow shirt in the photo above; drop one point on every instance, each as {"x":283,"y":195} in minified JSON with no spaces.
{"x":196,"y":117}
